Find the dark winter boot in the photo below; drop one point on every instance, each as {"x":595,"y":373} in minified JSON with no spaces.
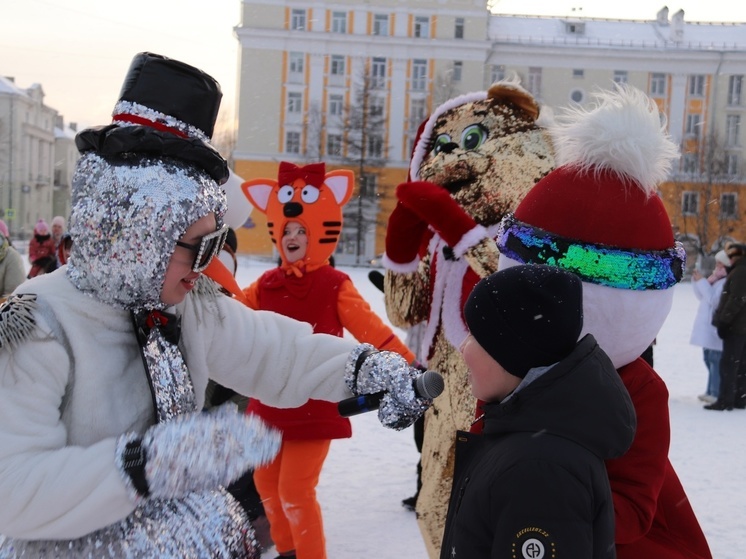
{"x":719,"y":406}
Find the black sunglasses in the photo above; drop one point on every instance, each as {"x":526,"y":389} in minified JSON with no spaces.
{"x":207,"y":248}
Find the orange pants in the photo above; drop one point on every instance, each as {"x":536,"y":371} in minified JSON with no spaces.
{"x":287,"y":487}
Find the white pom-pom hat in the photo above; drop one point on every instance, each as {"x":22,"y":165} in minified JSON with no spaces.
{"x":599,"y":216}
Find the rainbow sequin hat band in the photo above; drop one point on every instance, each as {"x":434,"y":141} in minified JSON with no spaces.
{"x":621,"y":268}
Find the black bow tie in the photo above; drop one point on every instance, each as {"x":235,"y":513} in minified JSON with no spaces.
{"x":169,"y":325}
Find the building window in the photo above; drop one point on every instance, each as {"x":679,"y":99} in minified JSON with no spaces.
{"x":621,"y":76}
{"x":497,"y":73}
{"x":690,"y":203}
{"x":458,"y":31}
{"x":378,"y":73}
{"x":380,"y":24}
{"x":377,"y":106}
{"x":575,"y":27}
{"x":337,"y":67}
{"x":731,"y":164}
{"x":339,"y":22}
{"x":690,"y":163}
{"x":298,"y":20}
{"x":334,"y":145}
{"x":292,"y":142}
{"x":418,"y":111}
{"x":295,"y":102}
{"x":735,"y":84}
{"x":422,"y":27}
{"x":419,"y":75}
{"x":732,"y":130}
{"x":696,"y":86}
{"x":336,"y":105}
{"x":368,"y":185}
{"x":578,"y":73}
{"x":728,"y":205}
{"x":534,"y":81}
{"x":693,"y":124}
{"x":375,"y":145}
{"x":658,"y":85}
{"x":577,"y":96}
{"x":297,"y":60}
{"x":458,"y":68}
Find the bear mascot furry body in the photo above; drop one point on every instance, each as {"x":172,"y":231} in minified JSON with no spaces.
{"x":474,"y":160}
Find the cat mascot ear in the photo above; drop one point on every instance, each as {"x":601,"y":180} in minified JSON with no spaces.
{"x":341,"y":183}
{"x":257,"y":191}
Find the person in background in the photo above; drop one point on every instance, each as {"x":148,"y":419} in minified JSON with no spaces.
{"x":64,"y":249}
{"x":306,"y":287}
{"x":4,"y":230}
{"x":533,"y":483}
{"x":730,"y":321}
{"x":104,"y":447}
{"x":59,"y":226}
{"x":42,"y":252}
{"x":704,"y":334}
{"x":12,"y":271}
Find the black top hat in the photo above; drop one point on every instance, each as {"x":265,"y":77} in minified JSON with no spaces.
{"x":165,"y":107}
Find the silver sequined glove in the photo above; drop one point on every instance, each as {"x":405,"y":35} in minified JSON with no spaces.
{"x":369,"y":371}
{"x":195,"y":452}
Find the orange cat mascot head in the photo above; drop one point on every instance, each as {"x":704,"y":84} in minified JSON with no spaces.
{"x":309,"y":196}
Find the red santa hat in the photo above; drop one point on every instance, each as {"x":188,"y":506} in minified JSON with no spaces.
{"x":598,"y":215}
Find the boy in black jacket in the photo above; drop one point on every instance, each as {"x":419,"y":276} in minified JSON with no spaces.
{"x":533,"y":484}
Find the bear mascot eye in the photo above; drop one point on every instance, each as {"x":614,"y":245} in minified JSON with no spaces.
{"x":441,"y":141}
{"x":473,"y":137}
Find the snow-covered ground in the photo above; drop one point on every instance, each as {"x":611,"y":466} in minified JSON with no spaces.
{"x":366,"y":477}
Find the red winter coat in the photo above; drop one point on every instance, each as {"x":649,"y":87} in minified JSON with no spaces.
{"x":326,"y":299}
{"x":41,"y":253}
{"x":654,"y":519}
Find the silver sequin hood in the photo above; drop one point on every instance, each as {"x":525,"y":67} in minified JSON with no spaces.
{"x":127,"y":214}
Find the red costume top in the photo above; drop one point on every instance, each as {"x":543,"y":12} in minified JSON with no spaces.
{"x":654,"y":519}
{"x":327,"y":300}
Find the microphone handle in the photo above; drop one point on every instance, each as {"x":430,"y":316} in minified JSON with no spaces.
{"x":360,"y":404}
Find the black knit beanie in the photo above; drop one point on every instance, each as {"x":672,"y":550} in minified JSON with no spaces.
{"x":526,"y":316}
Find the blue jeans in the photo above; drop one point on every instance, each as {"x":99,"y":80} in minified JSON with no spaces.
{"x":712,"y":360}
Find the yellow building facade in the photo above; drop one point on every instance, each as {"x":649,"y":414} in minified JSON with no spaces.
{"x":301,"y":62}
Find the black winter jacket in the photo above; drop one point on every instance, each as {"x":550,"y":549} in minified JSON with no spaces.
{"x":533,"y":484}
{"x":730,"y":316}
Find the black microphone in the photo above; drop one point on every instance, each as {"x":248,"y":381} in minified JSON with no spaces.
{"x":428,"y":385}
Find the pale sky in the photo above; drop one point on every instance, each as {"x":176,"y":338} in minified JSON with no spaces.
{"x":79,"y":50}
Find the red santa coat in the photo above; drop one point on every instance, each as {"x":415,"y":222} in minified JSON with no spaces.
{"x":654,"y":519}
{"x":448,"y":277}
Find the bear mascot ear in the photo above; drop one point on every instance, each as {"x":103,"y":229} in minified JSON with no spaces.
{"x":505,"y":94}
